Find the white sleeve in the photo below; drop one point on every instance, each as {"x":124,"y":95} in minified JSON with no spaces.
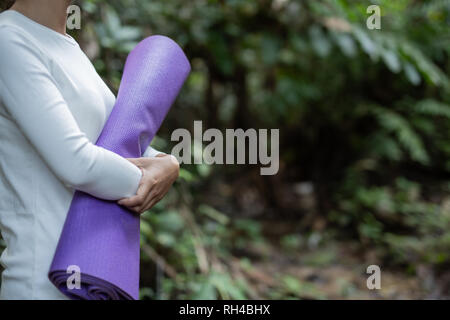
{"x":151,"y":152}
{"x":34,"y":101}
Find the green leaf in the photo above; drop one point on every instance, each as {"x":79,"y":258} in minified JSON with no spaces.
{"x":411,"y":74}
{"x":391,"y":60}
{"x":320,"y":42}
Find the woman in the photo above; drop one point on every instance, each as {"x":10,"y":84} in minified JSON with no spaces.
{"x":53,"y":106}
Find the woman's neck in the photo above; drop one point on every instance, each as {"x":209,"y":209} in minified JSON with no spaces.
{"x":50,"y":13}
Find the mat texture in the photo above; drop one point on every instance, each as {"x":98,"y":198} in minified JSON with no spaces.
{"x":101,"y":237}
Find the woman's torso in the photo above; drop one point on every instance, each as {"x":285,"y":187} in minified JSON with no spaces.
{"x":33,"y":202}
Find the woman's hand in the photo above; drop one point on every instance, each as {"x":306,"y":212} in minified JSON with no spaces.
{"x":158,"y":175}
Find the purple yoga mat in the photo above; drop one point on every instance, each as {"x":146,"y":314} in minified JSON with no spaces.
{"x":101,"y":237}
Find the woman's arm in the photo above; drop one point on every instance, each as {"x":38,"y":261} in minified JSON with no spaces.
{"x":32,"y":98}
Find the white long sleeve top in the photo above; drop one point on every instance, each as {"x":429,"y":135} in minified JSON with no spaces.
{"x":53,"y":106}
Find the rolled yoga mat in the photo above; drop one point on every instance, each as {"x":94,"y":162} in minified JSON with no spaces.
{"x":100,"y":237}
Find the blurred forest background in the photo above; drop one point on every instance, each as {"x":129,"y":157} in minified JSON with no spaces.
{"x":364,"y":119}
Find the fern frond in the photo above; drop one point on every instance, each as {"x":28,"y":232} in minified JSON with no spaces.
{"x":405,"y":134}
{"x":433,"y":108}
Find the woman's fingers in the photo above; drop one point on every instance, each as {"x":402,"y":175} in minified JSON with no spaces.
{"x":133,"y":201}
{"x":135,"y":209}
{"x":140,"y":197}
{"x":159,"y":173}
{"x":153,"y":199}
{"x":151,"y":203}
{"x":156,"y":196}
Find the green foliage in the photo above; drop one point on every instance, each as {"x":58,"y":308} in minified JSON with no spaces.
{"x":189,"y":241}
{"x":397,"y":218}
